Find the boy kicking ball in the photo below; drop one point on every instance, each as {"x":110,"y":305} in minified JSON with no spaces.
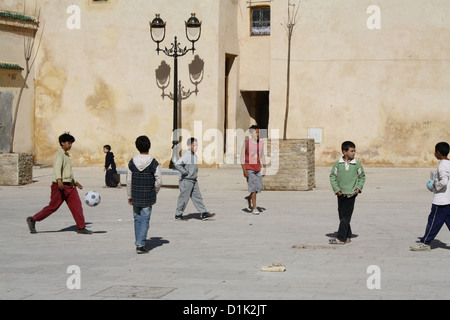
{"x":63,"y":189}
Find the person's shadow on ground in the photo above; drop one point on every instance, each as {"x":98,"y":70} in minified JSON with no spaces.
{"x":439,"y":244}
{"x":155,"y":242}
{"x":71,"y":229}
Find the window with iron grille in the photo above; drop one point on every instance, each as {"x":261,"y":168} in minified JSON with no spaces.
{"x":260,"y":21}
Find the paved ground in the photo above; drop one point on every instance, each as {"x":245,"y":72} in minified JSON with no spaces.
{"x":221,"y":259}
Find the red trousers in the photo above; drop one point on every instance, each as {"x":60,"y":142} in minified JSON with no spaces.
{"x":57,"y":197}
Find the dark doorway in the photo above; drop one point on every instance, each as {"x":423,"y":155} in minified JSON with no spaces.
{"x":257,"y":103}
{"x":229,"y":60}
{"x":6,"y":108}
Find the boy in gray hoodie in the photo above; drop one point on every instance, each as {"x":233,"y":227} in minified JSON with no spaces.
{"x":187,"y":165}
{"x":143,"y":183}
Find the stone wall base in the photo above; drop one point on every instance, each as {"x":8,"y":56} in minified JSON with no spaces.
{"x":292,"y":166}
{"x":16,"y":169}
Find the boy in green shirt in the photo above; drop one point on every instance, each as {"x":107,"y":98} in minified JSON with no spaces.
{"x":347,"y":179}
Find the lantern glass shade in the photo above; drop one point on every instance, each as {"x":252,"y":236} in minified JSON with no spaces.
{"x":193,"y":28}
{"x":158,"y":33}
{"x":158,"y":29}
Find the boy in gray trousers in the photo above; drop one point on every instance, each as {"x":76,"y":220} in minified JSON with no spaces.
{"x":187,"y":165}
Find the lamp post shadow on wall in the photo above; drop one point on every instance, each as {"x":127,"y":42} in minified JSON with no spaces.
{"x":158,"y":34}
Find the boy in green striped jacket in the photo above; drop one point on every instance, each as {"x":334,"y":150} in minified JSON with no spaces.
{"x":347,"y":179}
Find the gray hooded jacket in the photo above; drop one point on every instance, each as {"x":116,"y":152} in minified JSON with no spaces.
{"x":187,"y":165}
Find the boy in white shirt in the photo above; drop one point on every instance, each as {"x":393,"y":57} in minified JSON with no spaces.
{"x":440,"y":209}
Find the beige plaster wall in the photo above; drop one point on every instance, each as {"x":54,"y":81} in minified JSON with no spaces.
{"x":99,"y":83}
{"x":387,"y":89}
{"x":12,"y":51}
{"x":255,"y":52}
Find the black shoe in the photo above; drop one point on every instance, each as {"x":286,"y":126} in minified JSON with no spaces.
{"x":84,"y":231}
{"x":180,"y":218}
{"x":31,"y":225}
{"x":141,"y":250}
{"x":207,"y":215}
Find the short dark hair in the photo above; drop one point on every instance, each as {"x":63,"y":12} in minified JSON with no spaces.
{"x":143,"y":144}
{"x":253,"y":128}
{"x":107,"y":146}
{"x":190,"y":141}
{"x":347,"y":145}
{"x":442,"y":148}
{"x":66,"y":137}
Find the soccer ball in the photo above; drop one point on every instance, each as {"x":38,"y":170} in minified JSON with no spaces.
{"x":92,"y":198}
{"x":430,"y":185}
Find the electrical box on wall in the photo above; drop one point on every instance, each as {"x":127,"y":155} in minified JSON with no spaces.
{"x":316,"y":134}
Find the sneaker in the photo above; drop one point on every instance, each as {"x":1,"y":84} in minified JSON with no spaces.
{"x":141,"y":250}
{"x":420,"y":247}
{"x":249,"y":202}
{"x":207,"y":215}
{"x":31,"y":225}
{"x":255,"y":211}
{"x":84,"y":231}
{"x":180,"y":218}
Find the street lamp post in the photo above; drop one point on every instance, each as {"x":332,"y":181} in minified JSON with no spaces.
{"x":158,"y":32}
